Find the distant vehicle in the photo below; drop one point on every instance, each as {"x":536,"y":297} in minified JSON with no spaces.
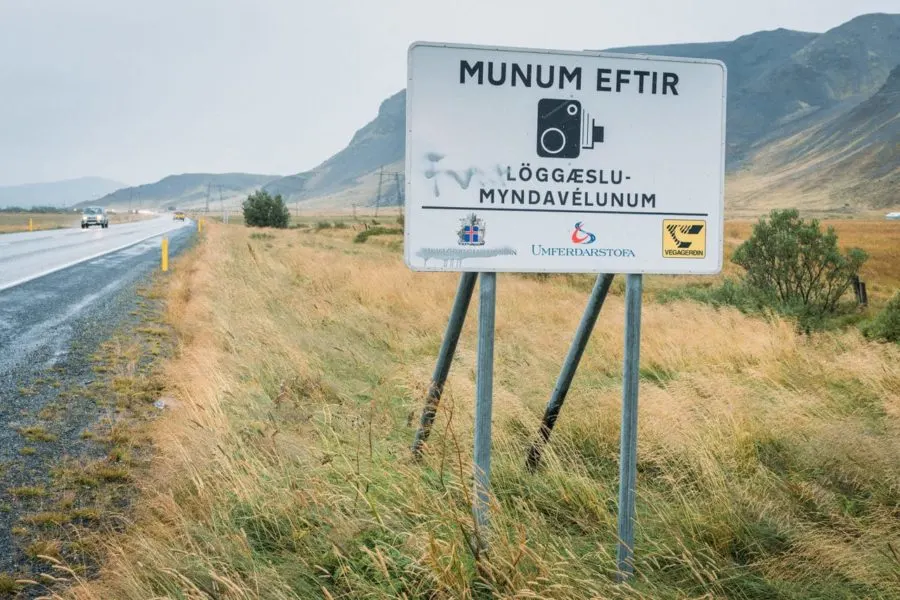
{"x":94,"y":215}
{"x":179,"y":215}
{"x":893,"y":215}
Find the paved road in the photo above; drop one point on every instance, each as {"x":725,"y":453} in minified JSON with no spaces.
{"x":26,"y":255}
{"x":44,"y":312}
{"x":49,"y":328}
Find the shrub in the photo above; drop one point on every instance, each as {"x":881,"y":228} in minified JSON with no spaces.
{"x":362,"y":236}
{"x":323,"y":225}
{"x":264,"y":210}
{"x":886,"y":325}
{"x":796,"y":265}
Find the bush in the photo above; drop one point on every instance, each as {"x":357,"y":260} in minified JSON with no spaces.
{"x":362,"y":236}
{"x":886,"y":325}
{"x":796,"y":266}
{"x":263,"y":210}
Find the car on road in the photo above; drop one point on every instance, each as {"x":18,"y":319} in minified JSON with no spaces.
{"x":94,"y":215}
{"x":179,"y":215}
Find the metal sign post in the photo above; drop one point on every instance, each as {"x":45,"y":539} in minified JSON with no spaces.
{"x":585,"y":327}
{"x":484,"y":387}
{"x":445,"y":358}
{"x":628,"y":442}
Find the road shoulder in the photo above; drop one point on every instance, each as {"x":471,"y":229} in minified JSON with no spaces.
{"x":82,"y":446}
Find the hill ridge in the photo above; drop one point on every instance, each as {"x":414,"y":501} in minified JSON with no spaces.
{"x":188,"y":190}
{"x":63,"y":192}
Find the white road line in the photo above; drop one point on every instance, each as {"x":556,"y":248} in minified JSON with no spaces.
{"x":81,"y":260}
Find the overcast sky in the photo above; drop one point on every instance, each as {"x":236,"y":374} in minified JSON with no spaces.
{"x":136,"y":90}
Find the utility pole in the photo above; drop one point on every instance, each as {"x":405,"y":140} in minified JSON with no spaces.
{"x":378,"y":198}
{"x":222,"y":205}
{"x":208,"y":190}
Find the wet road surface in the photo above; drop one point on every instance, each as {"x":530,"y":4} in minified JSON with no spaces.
{"x":30,"y":254}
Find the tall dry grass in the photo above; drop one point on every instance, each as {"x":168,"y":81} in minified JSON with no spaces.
{"x":767,"y":462}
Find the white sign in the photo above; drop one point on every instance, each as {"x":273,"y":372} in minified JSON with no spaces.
{"x":537,"y":161}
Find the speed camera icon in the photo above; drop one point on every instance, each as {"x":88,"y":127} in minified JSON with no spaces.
{"x":564,"y":128}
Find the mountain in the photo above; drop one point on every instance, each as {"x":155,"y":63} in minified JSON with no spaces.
{"x":381,"y":142}
{"x":781,"y":81}
{"x":784,"y":88}
{"x":854,"y":159}
{"x":57,"y":193}
{"x":188,"y":190}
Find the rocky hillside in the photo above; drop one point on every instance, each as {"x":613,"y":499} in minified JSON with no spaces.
{"x":875,"y":122}
{"x":57,"y":193}
{"x":381,"y":142}
{"x":852,"y":160}
{"x":788,"y":91}
{"x":188,"y":190}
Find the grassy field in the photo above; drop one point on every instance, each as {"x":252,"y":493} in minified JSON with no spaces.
{"x":767,"y":460}
{"x":877,"y":236}
{"x":16,"y":222}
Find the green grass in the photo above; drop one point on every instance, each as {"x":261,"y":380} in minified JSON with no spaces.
{"x":8,"y":585}
{"x":364,"y":235}
{"x":735,"y":294}
{"x":37,"y":433}
{"x":27,"y":491}
{"x":885,"y":326}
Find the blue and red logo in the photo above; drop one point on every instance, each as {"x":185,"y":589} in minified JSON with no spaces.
{"x":471,"y":231}
{"x":471,"y":234}
{"x":580,"y":236}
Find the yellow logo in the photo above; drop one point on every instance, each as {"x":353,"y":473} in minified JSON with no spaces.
{"x":684,"y":239}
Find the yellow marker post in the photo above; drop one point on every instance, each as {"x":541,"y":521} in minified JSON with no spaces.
{"x":165,"y":254}
{"x":199,"y":225}
{"x":30,"y":224}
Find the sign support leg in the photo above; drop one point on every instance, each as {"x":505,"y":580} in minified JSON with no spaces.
{"x":576,"y":350}
{"x":628,"y":443}
{"x":484,"y":380}
{"x":445,"y":358}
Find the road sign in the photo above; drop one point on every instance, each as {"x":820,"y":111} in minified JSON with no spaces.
{"x":521,"y":160}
